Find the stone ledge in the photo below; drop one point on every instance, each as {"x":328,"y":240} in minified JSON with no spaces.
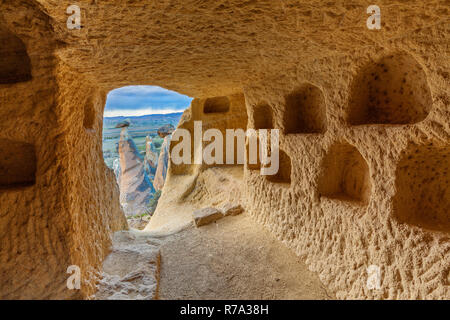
{"x":232,"y":209}
{"x":206,"y":216}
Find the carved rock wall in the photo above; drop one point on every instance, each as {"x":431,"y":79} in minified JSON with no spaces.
{"x":379,"y":105}
{"x":58,"y":201}
{"x":371,"y":193}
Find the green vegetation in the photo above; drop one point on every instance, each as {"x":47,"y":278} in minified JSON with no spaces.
{"x":140,"y":128}
{"x":151,"y":207}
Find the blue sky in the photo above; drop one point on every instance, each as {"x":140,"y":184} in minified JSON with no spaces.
{"x":142,"y":100}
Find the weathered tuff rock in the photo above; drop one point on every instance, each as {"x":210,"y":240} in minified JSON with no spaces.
{"x":163,"y":164}
{"x":131,"y":271}
{"x":117,"y":170}
{"x":138,"y":222}
{"x":135,"y":186}
{"x":151,"y":157}
{"x":165,"y":130}
{"x":123,"y":124}
{"x":232,"y":209}
{"x":277,"y":63}
{"x":206,"y":216}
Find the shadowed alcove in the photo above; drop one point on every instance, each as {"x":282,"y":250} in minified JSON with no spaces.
{"x":392,"y":90}
{"x":89,"y":114}
{"x":15,"y":64}
{"x":17,"y":164}
{"x":345,"y":175}
{"x":305,"y":111}
{"x":217,"y":105}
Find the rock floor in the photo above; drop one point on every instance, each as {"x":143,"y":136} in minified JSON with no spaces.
{"x":233,"y":258}
{"x":131,"y":270}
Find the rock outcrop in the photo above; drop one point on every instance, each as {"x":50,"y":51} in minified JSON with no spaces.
{"x":151,"y":156}
{"x":378,"y":99}
{"x":135,"y":186}
{"x":123,"y":124}
{"x":207,"y":215}
{"x":163,"y":164}
{"x":131,"y":271}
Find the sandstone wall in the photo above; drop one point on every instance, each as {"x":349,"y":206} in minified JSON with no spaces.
{"x":193,"y":186}
{"x":364,"y":181}
{"x":34,"y":220}
{"x":58,"y":202}
{"x":92,"y":192}
{"x":375,"y":193}
{"x":349,"y":196}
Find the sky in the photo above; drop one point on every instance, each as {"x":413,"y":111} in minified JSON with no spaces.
{"x":142,"y":100}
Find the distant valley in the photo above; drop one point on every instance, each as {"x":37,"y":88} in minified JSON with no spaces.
{"x":140,"y":128}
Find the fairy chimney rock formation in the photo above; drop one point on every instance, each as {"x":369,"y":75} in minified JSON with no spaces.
{"x":151,"y":156}
{"x":135,"y":186}
{"x":363,"y":118}
{"x":166,"y":130}
{"x":163,"y":163}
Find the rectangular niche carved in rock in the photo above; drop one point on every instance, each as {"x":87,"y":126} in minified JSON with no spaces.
{"x":217,"y":105}
{"x":284,"y":171}
{"x":89,"y":115}
{"x":15,"y":65}
{"x":262,"y":116}
{"x":422,"y":195}
{"x":17,"y":164}
{"x":345,"y":175}
{"x":393,"y":90}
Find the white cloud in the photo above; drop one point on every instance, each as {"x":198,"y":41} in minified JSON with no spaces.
{"x":139,"y":112}
{"x":141,"y":90}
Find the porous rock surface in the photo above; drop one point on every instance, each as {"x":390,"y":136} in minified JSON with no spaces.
{"x":131,"y":270}
{"x":151,"y":156}
{"x":206,"y":216}
{"x":163,"y":164}
{"x":382,"y":106}
{"x":135,"y":186}
{"x":232,"y":209}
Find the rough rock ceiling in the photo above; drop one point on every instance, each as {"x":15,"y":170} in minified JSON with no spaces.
{"x":201,"y":47}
